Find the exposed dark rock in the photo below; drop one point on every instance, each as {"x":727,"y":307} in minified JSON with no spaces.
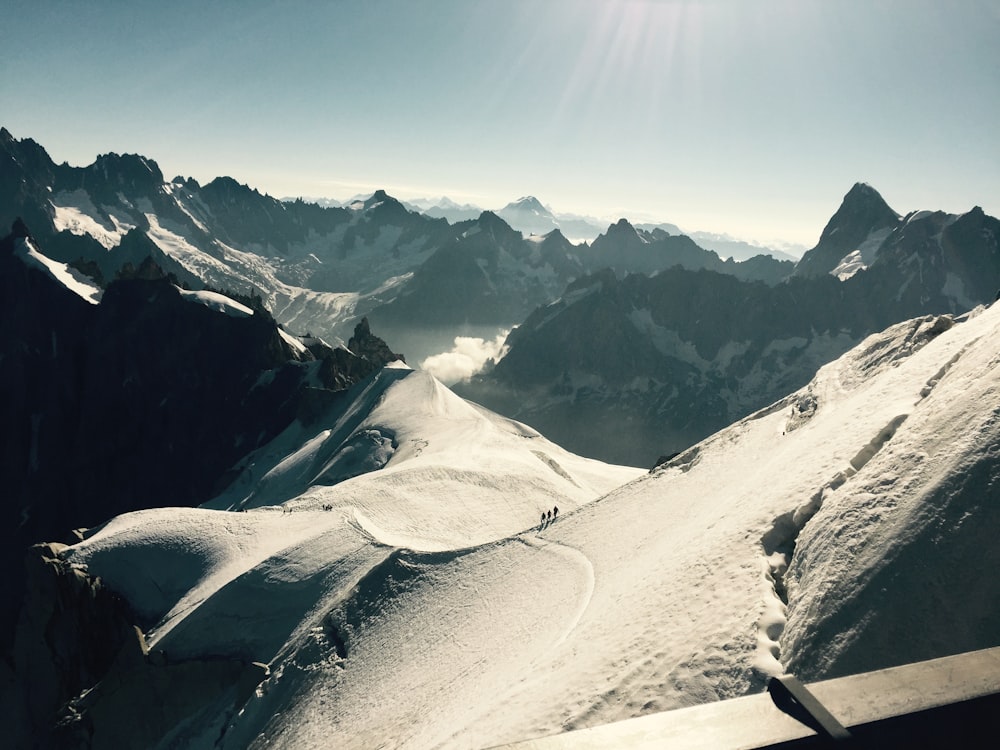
{"x":370,"y":347}
{"x":862,"y":213}
{"x":627,"y":369}
{"x":145,"y":400}
{"x":71,"y":630}
{"x":19,"y":229}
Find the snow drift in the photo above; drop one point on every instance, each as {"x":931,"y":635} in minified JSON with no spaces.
{"x":391,"y":570}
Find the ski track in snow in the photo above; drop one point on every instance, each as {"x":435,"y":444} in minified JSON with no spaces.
{"x":571,"y":553}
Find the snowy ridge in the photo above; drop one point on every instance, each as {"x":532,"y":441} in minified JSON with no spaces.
{"x":294,"y":282}
{"x":218,"y":302}
{"x":417,"y":603}
{"x":78,"y":283}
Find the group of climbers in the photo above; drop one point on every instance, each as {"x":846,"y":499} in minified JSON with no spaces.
{"x":548,"y":516}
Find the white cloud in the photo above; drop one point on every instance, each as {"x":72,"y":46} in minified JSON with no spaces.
{"x":465,"y":358}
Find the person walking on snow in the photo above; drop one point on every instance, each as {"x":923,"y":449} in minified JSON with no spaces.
{"x":555,"y":512}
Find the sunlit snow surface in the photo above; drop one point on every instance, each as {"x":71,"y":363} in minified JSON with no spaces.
{"x":425,"y":608}
{"x":80,"y":284}
{"x":218,"y":302}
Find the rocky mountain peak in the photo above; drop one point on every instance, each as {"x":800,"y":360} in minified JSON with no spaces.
{"x":384,"y":208}
{"x":379,"y":196}
{"x":527,"y":203}
{"x":862,"y":213}
{"x":863,"y":208}
{"x":622,"y":225}
{"x":488,"y":220}
{"x":367,"y":345}
{"x":19,"y":229}
{"x":130,"y":170}
{"x":229,"y":190}
{"x":620,"y":234}
{"x":556,"y":237}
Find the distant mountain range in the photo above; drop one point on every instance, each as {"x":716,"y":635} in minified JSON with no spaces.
{"x":715,"y":338}
{"x":420,"y":280}
{"x":623,"y":368}
{"x":529,"y":216}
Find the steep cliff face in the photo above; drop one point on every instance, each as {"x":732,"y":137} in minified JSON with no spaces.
{"x":70,"y":631}
{"x":148,"y":398}
{"x":862,"y":215}
{"x":80,"y":664}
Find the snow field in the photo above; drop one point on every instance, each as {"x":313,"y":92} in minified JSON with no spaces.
{"x":907,"y":548}
{"x":74,"y":212}
{"x":416,"y":603}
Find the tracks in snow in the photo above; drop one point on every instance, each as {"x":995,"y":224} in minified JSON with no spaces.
{"x":575,"y":555}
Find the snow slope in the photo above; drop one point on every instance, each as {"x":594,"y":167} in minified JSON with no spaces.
{"x":78,"y":283}
{"x":846,"y":527}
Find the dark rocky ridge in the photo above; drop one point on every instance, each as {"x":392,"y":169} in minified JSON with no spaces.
{"x":862,"y":212}
{"x":471,"y":278}
{"x":81,"y":663}
{"x":145,"y":400}
{"x":629,"y":249}
{"x":587,"y":373}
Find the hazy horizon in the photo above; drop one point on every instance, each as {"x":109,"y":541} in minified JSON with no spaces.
{"x":750,"y":119}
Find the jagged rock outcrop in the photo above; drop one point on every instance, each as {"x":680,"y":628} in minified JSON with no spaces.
{"x":71,"y":630}
{"x":80,"y":665}
{"x":862,"y":213}
{"x":370,"y":347}
{"x":146,"y":399}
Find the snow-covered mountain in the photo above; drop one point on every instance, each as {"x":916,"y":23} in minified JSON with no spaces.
{"x":367,"y":565}
{"x":661,"y":361}
{"x":318,"y":269}
{"x":138,"y":394}
{"x":628,"y":249}
{"x":389,"y":583}
{"x":445,"y":208}
{"x":529,"y":216}
{"x":526,"y":214}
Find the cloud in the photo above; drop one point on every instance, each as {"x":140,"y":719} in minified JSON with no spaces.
{"x":465,"y":358}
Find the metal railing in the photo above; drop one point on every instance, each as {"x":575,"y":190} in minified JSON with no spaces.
{"x":950,"y":702}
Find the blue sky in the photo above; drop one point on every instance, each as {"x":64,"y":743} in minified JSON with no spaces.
{"x":740,"y":116}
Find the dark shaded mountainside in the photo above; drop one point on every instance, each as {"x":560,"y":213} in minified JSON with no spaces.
{"x":421,"y":281}
{"x":149,"y":398}
{"x":630,"y":369}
